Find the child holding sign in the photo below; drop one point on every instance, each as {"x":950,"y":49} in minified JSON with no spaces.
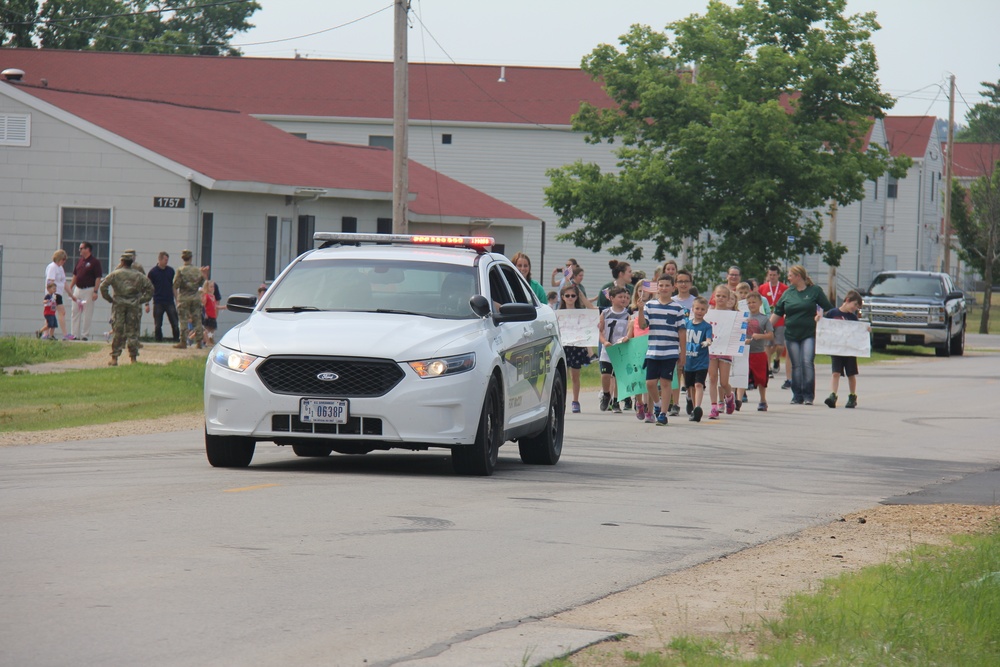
{"x":720,"y":392}
{"x":612,"y":328}
{"x":667,"y":342}
{"x":576,"y":357}
{"x":845,"y":365}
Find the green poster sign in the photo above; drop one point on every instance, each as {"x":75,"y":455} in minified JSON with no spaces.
{"x":627,"y":360}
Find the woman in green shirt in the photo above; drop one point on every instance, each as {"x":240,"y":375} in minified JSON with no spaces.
{"x":523,"y":264}
{"x":801,"y":304}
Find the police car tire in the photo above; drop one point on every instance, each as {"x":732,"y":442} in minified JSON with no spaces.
{"x":481,"y":458}
{"x":546,"y":447}
{"x":229,"y":451}
{"x":307,"y":449}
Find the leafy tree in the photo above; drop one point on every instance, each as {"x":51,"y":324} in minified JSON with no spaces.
{"x":740,"y":151}
{"x":202,"y":27}
{"x":975,"y":218}
{"x":984,"y":117}
{"x":17,"y":21}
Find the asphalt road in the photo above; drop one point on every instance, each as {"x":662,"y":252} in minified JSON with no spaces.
{"x":133,"y":550}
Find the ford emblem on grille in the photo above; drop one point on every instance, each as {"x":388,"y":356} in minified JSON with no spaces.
{"x":327,"y":377}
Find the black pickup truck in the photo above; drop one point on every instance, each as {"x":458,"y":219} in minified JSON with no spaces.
{"x":916,"y":308}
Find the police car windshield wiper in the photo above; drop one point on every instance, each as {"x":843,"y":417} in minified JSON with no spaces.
{"x":291,"y":309}
{"x":398,"y":312}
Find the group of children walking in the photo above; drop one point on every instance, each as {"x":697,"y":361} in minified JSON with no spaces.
{"x":679,"y":352}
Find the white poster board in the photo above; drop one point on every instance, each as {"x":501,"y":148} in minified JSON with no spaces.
{"x":578,"y":326}
{"x":843,"y":338}
{"x":729,"y":330}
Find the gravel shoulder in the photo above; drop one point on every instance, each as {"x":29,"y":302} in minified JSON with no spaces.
{"x":722,"y":598}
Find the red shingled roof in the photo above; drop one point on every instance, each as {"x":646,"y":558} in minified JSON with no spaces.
{"x":909,"y":135}
{"x":307,"y":87}
{"x":973,"y":160}
{"x":233,"y":146}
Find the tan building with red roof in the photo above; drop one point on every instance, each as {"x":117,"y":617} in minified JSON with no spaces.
{"x":914,"y":212}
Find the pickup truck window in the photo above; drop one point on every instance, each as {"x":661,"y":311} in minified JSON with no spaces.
{"x":892,"y":285}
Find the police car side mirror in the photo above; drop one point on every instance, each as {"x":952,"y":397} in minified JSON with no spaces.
{"x":241,"y":303}
{"x":516,"y":312}
{"x":480,"y":305}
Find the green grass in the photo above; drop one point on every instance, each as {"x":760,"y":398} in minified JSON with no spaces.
{"x":33,"y":402}
{"x":976,"y":313}
{"x":20,"y":350}
{"x":931,"y":606}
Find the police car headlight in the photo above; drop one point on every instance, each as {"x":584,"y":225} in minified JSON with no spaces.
{"x":431,"y":368}
{"x":233,"y":360}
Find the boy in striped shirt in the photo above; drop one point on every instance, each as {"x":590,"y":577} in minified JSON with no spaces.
{"x":667,"y":342}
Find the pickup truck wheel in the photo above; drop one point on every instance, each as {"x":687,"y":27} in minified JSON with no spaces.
{"x":944,"y":349}
{"x":311,"y":450}
{"x":229,"y":451}
{"x":546,"y":447}
{"x":958,"y":342}
{"x":481,"y":458}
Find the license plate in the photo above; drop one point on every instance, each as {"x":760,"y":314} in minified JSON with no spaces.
{"x":323,"y":411}
{"x":897,"y":338}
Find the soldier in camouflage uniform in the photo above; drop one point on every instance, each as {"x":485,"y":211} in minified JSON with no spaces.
{"x":136,"y":266}
{"x":187,"y":281}
{"x":131,"y":290}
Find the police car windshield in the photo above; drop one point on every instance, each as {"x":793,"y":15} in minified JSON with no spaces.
{"x":376,"y":286}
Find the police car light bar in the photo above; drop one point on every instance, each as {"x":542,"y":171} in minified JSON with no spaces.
{"x":476,"y":242}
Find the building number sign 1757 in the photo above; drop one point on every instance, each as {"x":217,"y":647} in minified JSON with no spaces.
{"x":168,"y":202}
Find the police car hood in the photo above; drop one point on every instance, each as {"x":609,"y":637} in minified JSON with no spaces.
{"x":379,"y":335}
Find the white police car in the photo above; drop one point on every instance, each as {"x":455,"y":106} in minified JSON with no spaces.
{"x":374,"y":342}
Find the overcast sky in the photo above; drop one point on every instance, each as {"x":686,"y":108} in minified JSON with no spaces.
{"x":921,"y":43}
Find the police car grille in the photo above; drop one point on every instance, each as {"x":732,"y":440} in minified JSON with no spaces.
{"x":354,"y":377}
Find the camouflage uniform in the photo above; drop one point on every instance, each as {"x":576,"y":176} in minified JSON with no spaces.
{"x":136,"y":266}
{"x":187,"y":281}
{"x":131,"y":290}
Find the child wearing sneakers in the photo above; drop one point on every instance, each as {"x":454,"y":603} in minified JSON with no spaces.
{"x":699,"y":337}
{"x":576,"y":357}
{"x":612,"y":328}
{"x":667,"y":343}
{"x":845,"y":365}
{"x":683,"y":284}
{"x":760,"y":333}
{"x":720,"y":392}
{"x":48,"y":332}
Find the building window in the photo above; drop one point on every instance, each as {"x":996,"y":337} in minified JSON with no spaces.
{"x":891,"y":187}
{"x":383,"y":225}
{"x":207,"y":232}
{"x":278,"y":252}
{"x":15,"y":129}
{"x":307,"y":225}
{"x":380,"y":140}
{"x":92,"y":225}
{"x":349,"y":224}
{"x":876,"y":189}
{"x":445,"y":138}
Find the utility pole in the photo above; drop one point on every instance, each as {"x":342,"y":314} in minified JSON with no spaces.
{"x":400,"y":120}
{"x":947,"y":178}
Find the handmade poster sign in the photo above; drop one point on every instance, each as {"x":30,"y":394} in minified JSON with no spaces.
{"x":627,"y":360}
{"x":578,"y":326}
{"x":730,"y":329}
{"x":843,"y":338}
